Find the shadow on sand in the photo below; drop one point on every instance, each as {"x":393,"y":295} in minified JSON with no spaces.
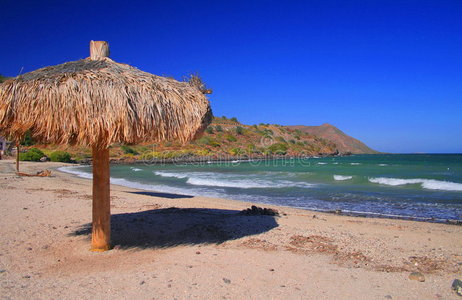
{"x":162,"y":195}
{"x":161,"y":228}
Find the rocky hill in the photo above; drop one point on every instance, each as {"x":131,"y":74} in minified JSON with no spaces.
{"x":229,"y":139}
{"x":343,"y":142}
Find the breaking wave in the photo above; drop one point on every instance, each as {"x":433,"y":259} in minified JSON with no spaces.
{"x":221,"y":180}
{"x":342,"y":177}
{"x":429,"y":184}
{"x":246,"y":183}
{"x":171,"y":174}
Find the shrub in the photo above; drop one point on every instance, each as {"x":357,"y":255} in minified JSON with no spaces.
{"x":33,"y":154}
{"x":218,"y":128}
{"x":206,"y":140}
{"x":214,"y":143}
{"x":267,"y":132}
{"x":234,"y":119}
{"x":239,"y":130}
{"x":278,"y":149}
{"x":209,"y":130}
{"x":236,"y":151}
{"x":60,"y":156}
{"x":128,"y":150}
{"x":281,"y":139}
{"x":202,"y":152}
{"x":251,"y":148}
{"x":231,"y":138}
{"x":27,"y":141}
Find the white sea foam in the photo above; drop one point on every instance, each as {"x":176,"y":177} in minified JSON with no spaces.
{"x":322,"y":163}
{"x":429,"y":184}
{"x":171,"y":174}
{"x":342,"y":177}
{"x":142,"y":186}
{"x":383,"y":165}
{"x":355,"y":164}
{"x":76,"y":171}
{"x":234,"y":181}
{"x":245,"y":183}
{"x":136,"y":169}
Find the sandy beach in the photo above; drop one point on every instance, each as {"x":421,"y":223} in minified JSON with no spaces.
{"x":169,"y":246}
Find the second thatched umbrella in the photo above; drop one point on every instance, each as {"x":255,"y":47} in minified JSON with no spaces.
{"x":96,"y":102}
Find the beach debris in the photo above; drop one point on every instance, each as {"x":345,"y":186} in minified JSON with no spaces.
{"x":226,"y":280}
{"x":388,"y":297}
{"x":457,"y":286}
{"x":259,"y":211}
{"x":43,"y":173}
{"x":314,"y":243}
{"x":417,"y":276}
{"x":44,"y":159}
{"x":254,"y":243}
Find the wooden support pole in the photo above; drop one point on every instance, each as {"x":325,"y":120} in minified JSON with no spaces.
{"x":17,"y":157}
{"x":101,"y":229}
{"x":98,"y":49}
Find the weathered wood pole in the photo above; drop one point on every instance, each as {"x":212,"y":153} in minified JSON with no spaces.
{"x":101,"y":211}
{"x":98,"y":49}
{"x":17,"y":157}
{"x":101,"y":221}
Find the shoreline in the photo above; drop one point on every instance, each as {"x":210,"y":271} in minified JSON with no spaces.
{"x":215,"y":159}
{"x":312,"y":210}
{"x":185,"y":247}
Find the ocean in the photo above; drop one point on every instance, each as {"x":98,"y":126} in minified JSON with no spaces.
{"x":424,"y":187}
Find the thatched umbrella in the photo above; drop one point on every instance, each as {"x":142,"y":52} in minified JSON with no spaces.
{"x":96,"y":102}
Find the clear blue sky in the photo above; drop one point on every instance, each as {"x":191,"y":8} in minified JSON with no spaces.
{"x":386,"y":72}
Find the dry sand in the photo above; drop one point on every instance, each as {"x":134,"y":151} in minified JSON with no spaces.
{"x":204,"y":249}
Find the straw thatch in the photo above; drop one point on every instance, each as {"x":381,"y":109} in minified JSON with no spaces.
{"x":100,"y":102}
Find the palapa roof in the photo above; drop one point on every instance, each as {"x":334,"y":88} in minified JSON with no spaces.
{"x":100,"y":102}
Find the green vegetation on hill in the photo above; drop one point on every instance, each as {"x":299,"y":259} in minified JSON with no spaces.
{"x":224,"y":137}
{"x":60,"y":156}
{"x":32,"y":154}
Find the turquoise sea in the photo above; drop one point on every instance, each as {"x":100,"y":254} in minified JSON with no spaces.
{"x":417,"y":186}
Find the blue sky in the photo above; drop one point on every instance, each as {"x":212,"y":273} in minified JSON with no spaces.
{"x":386,"y":72}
